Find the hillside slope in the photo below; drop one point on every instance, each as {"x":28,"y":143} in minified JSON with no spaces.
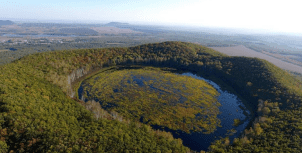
{"x":5,"y":22}
{"x":39,"y":115}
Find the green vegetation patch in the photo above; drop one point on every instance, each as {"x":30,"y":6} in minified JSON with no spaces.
{"x":237,"y":122}
{"x":36,"y":115}
{"x":157,"y":97}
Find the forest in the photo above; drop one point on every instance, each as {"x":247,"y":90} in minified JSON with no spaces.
{"x":40,"y":112}
{"x":24,"y":38}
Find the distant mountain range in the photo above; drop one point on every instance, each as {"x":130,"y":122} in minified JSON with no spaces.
{"x":6,"y":22}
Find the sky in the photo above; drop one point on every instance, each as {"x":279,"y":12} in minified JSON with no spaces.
{"x":266,"y":15}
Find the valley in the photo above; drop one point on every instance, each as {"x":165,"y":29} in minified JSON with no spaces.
{"x":25,"y":38}
{"x":175,"y":104}
{"x":41,"y":112}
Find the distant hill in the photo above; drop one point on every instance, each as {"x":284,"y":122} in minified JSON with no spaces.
{"x":6,"y":22}
{"x":116,"y":24}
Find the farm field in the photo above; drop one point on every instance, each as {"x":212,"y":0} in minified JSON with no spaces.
{"x":243,"y":51}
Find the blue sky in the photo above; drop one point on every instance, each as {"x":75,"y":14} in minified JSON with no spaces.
{"x":280,"y":16}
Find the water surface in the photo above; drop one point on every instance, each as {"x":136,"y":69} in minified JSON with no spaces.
{"x":231,"y":108}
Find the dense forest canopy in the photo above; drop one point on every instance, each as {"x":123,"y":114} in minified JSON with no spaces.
{"x":38,"y":113}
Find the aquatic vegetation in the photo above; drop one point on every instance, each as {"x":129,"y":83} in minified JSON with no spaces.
{"x":237,"y":122}
{"x":157,"y":98}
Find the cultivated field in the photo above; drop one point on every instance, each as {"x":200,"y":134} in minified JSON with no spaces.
{"x":243,"y":51}
{"x":112,"y":30}
{"x":4,"y":50}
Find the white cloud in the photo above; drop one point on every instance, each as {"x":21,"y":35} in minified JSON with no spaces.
{"x":258,"y":14}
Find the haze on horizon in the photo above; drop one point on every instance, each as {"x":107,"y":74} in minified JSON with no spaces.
{"x":266,"y":16}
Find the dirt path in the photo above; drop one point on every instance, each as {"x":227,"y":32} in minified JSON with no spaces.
{"x":243,"y":51}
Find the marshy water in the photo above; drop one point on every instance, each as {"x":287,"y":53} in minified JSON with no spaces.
{"x":231,"y":108}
